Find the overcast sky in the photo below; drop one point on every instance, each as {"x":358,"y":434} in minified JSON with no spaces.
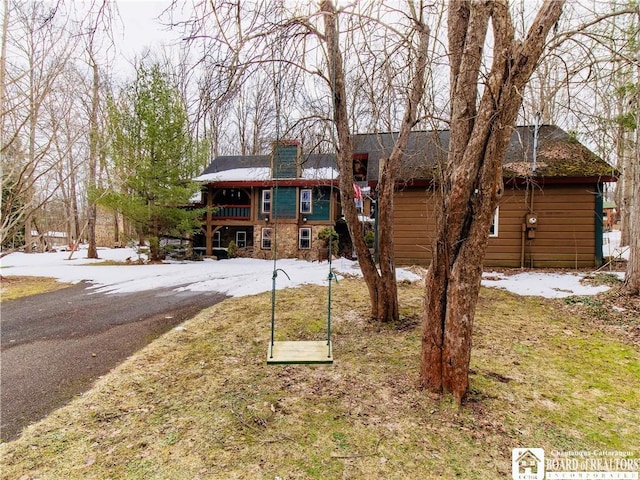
{"x":141,"y":28}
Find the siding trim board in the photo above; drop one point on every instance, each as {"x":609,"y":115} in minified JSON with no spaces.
{"x":599,"y":227}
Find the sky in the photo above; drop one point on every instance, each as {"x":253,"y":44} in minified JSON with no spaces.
{"x":243,"y":276}
{"x":141,"y":26}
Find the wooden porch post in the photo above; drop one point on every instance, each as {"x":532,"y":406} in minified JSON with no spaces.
{"x":208,"y":234}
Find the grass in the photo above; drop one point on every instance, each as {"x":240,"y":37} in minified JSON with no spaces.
{"x":201,"y":402}
{"x":16,"y":287}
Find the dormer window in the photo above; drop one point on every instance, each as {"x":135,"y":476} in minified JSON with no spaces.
{"x":360,"y":164}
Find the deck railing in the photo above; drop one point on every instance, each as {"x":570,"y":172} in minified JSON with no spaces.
{"x":236,"y":212}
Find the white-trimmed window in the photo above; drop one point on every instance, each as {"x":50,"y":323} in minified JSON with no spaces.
{"x":306,"y":195}
{"x":241,"y":239}
{"x":304,"y":238}
{"x":493,"y":231}
{"x":216,"y":239}
{"x":265,"y":241}
{"x":266,"y":201}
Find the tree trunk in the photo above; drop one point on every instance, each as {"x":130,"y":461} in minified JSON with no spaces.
{"x":116,"y":229}
{"x":472,"y":186}
{"x":92,"y":251}
{"x":632,"y":277}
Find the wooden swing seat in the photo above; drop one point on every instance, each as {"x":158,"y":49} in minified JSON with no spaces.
{"x":300,"y":352}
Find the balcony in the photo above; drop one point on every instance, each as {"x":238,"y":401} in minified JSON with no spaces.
{"x":232,"y":212}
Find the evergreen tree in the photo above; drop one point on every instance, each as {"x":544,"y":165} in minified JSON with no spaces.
{"x":154,"y":157}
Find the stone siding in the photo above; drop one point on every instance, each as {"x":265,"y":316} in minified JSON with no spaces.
{"x":287,"y":238}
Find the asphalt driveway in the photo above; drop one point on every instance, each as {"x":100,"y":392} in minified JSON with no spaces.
{"x":53,"y":346}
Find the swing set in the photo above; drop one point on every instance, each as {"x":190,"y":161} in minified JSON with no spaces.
{"x":297,"y":351}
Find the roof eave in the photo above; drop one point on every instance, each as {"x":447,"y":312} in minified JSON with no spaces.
{"x":271,"y":183}
{"x":513,"y":181}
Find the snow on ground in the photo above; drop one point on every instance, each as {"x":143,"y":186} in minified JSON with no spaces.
{"x":543,"y":284}
{"x":555,"y":284}
{"x":611,"y":246}
{"x":236,"y":277}
{"x":245,"y":276}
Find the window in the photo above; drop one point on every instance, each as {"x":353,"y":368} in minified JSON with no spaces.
{"x":360,"y":163}
{"x":266,"y":201}
{"x":266,"y":239}
{"x":304,"y":238}
{"x":241,"y":239}
{"x":216,"y":239}
{"x":305,"y":200}
{"x":493,"y":231}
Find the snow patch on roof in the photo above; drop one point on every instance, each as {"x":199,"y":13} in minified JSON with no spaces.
{"x":237,"y":175}
{"x":263,"y":174}
{"x":325,"y":173}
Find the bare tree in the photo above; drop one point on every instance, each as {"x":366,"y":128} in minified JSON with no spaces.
{"x":212,"y":112}
{"x":40,"y":47}
{"x":97,"y":37}
{"x":472,"y":183}
{"x":306,"y":51}
{"x":588,"y":82}
{"x":69,"y":147}
{"x":252,"y":114}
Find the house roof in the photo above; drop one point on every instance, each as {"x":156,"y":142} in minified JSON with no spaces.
{"x":257,"y":168}
{"x":559,"y":154}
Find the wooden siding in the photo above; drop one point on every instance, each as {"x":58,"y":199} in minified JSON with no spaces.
{"x":284,"y":202}
{"x":286,"y":162}
{"x":564,"y":237}
{"x":321,"y":206}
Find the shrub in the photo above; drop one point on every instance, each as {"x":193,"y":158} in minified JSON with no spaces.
{"x":369,"y":238}
{"x":328,"y":234}
{"x":232,"y":249}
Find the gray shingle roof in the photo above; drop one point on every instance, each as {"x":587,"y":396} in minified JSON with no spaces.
{"x":230,"y":162}
{"x":559,"y":155}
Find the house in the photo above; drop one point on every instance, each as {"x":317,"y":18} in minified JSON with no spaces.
{"x":551,"y":213}
{"x":49,"y":240}
{"x":265,"y":202}
{"x":611,"y":215}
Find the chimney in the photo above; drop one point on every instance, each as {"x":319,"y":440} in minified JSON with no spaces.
{"x":285,"y":160}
